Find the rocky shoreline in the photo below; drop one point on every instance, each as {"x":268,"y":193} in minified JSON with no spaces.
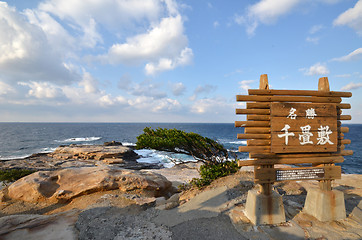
{"x":111,"y":153}
{"x":79,"y":196}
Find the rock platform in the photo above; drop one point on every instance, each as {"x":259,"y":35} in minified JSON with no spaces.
{"x":80,"y":156}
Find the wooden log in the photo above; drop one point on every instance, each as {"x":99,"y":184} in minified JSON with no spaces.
{"x":266,"y":105}
{"x":344,"y":117}
{"x":253,"y":136}
{"x":252,"y":111}
{"x":343,"y":129}
{"x":244,"y":98}
{"x":263,"y":105}
{"x":254,"y":149}
{"x":344,"y":106}
{"x":258,"y":117}
{"x":345,"y":141}
{"x":300,"y":155}
{"x":258,"y":130}
{"x":258,"y":142}
{"x":299,"y":93}
{"x":347,"y":152}
{"x":315,"y":160}
{"x":252,"y":124}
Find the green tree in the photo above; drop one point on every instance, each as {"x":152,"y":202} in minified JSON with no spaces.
{"x":214,"y":156}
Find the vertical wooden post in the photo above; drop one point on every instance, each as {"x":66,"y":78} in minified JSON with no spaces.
{"x":323,"y":85}
{"x":264,"y":82}
{"x":265,"y":188}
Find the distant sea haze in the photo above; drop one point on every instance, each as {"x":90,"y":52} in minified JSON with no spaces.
{"x":19,"y":140}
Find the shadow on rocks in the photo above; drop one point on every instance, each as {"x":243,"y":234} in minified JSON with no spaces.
{"x":131,"y":222}
{"x":214,"y":228}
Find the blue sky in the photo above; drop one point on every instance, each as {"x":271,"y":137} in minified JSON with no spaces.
{"x":168,"y":60}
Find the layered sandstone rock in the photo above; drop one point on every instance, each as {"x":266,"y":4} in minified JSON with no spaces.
{"x":96,"y":152}
{"x":63,"y":185}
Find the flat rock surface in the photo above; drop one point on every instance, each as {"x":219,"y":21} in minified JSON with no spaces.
{"x":79,"y":156}
{"x":215,"y":212}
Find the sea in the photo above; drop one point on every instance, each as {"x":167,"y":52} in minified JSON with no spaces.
{"x":21,"y":140}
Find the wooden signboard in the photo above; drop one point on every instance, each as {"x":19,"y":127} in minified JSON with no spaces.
{"x":303,"y":127}
{"x":294,"y":127}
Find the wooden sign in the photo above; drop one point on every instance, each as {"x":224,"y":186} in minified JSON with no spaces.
{"x":294,"y":127}
{"x":303,"y":127}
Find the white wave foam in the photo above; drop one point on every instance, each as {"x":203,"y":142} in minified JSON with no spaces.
{"x":48,"y":150}
{"x":80,"y":139}
{"x":15,"y":157}
{"x":127,"y":144}
{"x":166,"y":159}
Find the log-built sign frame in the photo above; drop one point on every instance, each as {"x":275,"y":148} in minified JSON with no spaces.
{"x":294,"y":127}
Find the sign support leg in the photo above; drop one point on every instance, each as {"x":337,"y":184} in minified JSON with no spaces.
{"x":324,"y":203}
{"x":323,"y":85}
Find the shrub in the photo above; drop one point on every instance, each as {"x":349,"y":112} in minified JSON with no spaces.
{"x":210,"y":172}
{"x":11,"y":175}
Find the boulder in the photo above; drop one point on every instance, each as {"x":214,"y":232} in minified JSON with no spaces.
{"x":66,"y":184}
{"x":112,"y":143}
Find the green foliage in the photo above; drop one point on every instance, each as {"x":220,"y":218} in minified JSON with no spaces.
{"x":14,"y":174}
{"x":174,"y":140}
{"x":210,"y":172}
{"x":213,"y":154}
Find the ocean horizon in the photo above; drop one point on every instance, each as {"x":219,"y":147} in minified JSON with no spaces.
{"x":19,"y":140}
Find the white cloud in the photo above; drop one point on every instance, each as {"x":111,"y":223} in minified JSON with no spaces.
{"x":216,"y":24}
{"x":343,"y":75}
{"x":26,"y":54}
{"x":351,"y":86}
{"x":148,"y":31}
{"x":178,"y":88}
{"x":352,"y":18}
{"x":107,"y":100}
{"x":160,"y":40}
{"x":158,"y":105}
{"x":316,"y":28}
{"x":146,"y":88}
{"x":5,"y":88}
{"x":316,"y":69}
{"x":245,"y":84}
{"x":215,"y":106}
{"x":206,"y":89}
{"x":265,"y":12}
{"x":89,"y":83}
{"x":163,"y":46}
{"x":164,"y":39}
{"x":111,"y":14}
{"x":355,"y":55}
{"x":314,"y":40}
{"x":166,"y":104}
{"x":164,"y":64}
{"x":42,"y":90}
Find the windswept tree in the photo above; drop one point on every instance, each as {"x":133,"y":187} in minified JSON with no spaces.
{"x":214,"y":156}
